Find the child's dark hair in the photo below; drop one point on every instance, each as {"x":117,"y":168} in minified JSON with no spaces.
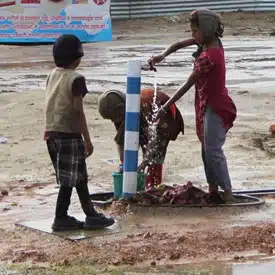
{"x":194,"y":19}
{"x":66,"y":50}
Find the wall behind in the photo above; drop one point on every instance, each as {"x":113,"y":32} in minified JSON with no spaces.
{"x":124,"y":9}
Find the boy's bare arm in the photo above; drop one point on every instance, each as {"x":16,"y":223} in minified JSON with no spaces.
{"x":120,"y":150}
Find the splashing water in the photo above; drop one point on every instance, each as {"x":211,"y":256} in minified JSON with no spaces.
{"x":154,"y":105}
{"x":152,"y":153}
{"x":152,"y":125}
{"x":155,"y":109}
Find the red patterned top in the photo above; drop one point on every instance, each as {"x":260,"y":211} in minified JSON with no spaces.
{"x":211,"y":90}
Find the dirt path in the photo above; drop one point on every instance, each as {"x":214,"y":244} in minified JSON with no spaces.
{"x":206,"y":235}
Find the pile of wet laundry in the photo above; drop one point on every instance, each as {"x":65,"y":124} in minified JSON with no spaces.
{"x":184,"y":194}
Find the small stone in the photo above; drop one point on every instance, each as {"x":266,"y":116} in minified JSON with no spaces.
{"x":6,"y":209}
{"x":153,"y":263}
{"x":174,"y":256}
{"x":5,"y":192}
{"x":29,"y":186}
{"x":128,"y":260}
{"x":238,"y":258}
{"x":265,"y":248}
{"x":128,"y":208}
{"x":18,"y":251}
{"x":146,"y":235}
{"x":66,"y":262}
{"x":116,"y":262}
{"x":181,"y":239}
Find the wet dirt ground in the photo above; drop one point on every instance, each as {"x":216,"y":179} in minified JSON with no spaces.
{"x":253,"y":266}
{"x":175,"y":236}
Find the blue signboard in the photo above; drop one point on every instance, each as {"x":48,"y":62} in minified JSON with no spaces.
{"x":38,"y":21}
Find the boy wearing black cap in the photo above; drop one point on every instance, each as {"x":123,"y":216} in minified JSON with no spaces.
{"x":67,"y":135}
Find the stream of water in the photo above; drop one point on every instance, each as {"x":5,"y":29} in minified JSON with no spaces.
{"x":152,"y":124}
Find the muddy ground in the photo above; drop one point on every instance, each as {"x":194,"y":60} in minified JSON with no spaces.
{"x":144,"y":238}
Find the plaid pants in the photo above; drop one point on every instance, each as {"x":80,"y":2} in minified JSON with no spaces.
{"x":68,"y":158}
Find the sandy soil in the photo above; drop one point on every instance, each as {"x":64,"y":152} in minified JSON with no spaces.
{"x":237,"y":23}
{"x":26,"y":172}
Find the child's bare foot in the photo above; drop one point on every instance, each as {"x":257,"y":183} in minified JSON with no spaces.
{"x":228,"y":197}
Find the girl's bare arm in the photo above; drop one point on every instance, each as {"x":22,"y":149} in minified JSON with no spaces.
{"x":179,"y":45}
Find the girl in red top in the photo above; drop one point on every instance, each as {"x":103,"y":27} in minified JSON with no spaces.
{"x":215,"y":110}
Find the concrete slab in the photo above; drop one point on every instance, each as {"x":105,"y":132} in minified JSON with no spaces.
{"x":44,"y":225}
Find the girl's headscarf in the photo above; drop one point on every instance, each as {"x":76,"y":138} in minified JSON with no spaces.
{"x":209,"y":23}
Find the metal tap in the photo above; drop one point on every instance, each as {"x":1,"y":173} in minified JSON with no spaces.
{"x":148,"y":67}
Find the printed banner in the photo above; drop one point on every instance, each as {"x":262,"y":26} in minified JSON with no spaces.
{"x":38,"y":21}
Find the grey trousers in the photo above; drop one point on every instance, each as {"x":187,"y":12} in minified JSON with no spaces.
{"x":214,"y":160}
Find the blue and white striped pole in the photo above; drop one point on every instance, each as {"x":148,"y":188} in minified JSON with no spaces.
{"x":132,"y":124}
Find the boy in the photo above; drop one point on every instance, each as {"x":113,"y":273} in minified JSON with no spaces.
{"x":65,"y":126}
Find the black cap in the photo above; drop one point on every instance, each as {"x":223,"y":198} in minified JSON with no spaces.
{"x":66,"y":50}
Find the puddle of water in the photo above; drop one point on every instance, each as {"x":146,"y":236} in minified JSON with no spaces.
{"x":254,"y":266}
{"x":263,"y":268}
{"x":247,"y":62}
